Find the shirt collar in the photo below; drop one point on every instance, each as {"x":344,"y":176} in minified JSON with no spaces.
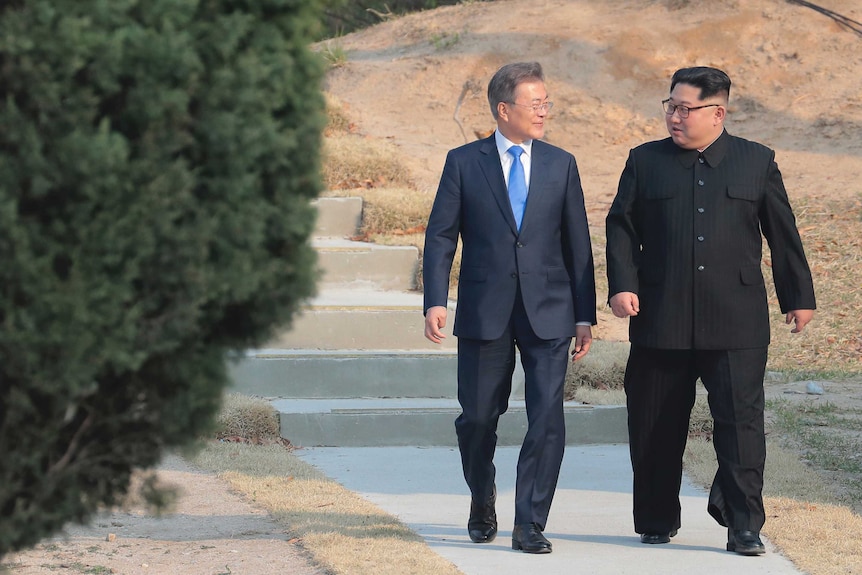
{"x":503,"y":144}
{"x":713,"y":153}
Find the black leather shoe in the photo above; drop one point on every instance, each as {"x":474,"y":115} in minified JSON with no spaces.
{"x":656,"y":538}
{"x":482,"y":525}
{"x":745,"y":542}
{"x":529,"y":539}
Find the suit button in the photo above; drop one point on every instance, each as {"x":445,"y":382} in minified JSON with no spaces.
{"x":519,"y":245}
{"x":700,"y":182}
{"x":700,"y":210}
{"x":514,"y":275}
{"x":700,"y":268}
{"x":700,"y":238}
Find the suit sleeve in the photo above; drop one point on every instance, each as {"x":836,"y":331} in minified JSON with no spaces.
{"x":441,"y":236}
{"x":623,"y":235}
{"x":790,"y":270}
{"x":578,"y":249}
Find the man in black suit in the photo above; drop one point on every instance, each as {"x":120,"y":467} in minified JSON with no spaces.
{"x":684,"y":263}
{"x":527,"y":280}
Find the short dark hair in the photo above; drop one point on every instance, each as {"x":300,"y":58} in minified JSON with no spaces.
{"x":502,"y":86}
{"x":711,"y":81}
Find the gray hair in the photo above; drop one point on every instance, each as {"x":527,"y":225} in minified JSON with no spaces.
{"x":502,"y":86}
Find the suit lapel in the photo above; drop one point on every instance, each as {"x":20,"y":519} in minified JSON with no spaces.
{"x":538,"y":179}
{"x":489,"y":162}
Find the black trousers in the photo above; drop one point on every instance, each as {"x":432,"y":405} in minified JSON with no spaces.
{"x":660,"y":392}
{"x":485,"y":370}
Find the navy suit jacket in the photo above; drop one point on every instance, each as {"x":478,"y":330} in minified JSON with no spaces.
{"x":685,"y":235}
{"x":550,"y":259}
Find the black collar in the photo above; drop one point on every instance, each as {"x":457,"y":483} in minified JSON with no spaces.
{"x":713,"y":154}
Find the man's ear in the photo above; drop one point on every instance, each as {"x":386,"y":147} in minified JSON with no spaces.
{"x":720,"y":114}
{"x":503,"y":111}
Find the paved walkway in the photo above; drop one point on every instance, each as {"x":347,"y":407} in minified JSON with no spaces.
{"x":590,"y":524}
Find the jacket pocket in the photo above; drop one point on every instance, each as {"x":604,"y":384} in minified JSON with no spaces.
{"x":743,"y":192}
{"x":751,"y":276}
{"x":558,"y":274}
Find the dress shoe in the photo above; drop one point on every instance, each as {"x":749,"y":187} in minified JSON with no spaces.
{"x":529,"y":539}
{"x":482,"y":525}
{"x":745,"y":542}
{"x":655,"y":538}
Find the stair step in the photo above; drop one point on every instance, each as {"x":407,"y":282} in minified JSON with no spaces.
{"x":427,"y":422}
{"x":361,"y":318}
{"x":285,"y":373}
{"x":385,"y":267}
{"x":337,"y":217}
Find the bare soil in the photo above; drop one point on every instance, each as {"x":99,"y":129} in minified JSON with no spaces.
{"x":420,"y":81}
{"x":210,"y":531}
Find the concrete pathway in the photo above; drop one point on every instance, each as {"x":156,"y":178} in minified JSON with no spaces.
{"x":590,"y":524}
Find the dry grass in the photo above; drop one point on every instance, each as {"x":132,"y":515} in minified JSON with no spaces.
{"x":344,"y":532}
{"x":802,"y":519}
{"x":391,"y":215}
{"x":601,"y":369}
{"x":354,"y":161}
{"x":820,"y":539}
{"x":832,"y":343}
{"x":247,"y":418}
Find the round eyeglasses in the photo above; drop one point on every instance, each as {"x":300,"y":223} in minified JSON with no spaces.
{"x":683,"y":111}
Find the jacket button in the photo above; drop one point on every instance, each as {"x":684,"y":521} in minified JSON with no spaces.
{"x":700,"y":182}
{"x":700,"y":238}
{"x":700,"y":210}
{"x":519,"y":245}
{"x":700,"y":268}
{"x":514,"y":275}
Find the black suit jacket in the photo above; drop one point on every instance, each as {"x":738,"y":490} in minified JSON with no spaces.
{"x":684,"y":233}
{"x":550,"y":259}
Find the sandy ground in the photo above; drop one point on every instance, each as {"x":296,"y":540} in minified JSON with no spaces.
{"x":420,"y":83}
{"x":210,"y":531}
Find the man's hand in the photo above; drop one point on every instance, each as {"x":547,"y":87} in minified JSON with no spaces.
{"x":435,"y":320}
{"x":801,"y":317}
{"x":625,"y":304}
{"x":583,"y":340}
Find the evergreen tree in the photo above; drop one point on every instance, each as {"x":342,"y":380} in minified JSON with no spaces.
{"x":157,"y":162}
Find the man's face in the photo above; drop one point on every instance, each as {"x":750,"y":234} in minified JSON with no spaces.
{"x":517,"y":121}
{"x":702,"y":126}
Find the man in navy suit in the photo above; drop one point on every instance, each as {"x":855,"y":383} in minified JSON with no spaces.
{"x":684,"y":263}
{"x":526,"y":280}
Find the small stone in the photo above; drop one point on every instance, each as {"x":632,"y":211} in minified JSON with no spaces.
{"x":111,"y":537}
{"x":814,"y":388}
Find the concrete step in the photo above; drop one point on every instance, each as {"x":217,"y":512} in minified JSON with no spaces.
{"x":362,"y":318}
{"x":427,"y":422}
{"x":318,"y":374}
{"x":337,"y":217}
{"x":385,"y":267}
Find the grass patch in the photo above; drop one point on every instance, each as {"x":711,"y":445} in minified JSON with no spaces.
{"x":247,"y":418}
{"x":333,"y":52}
{"x":831,"y":345}
{"x":353,"y":161}
{"x":828,"y":438}
{"x":602,"y":368}
{"x":343,"y":532}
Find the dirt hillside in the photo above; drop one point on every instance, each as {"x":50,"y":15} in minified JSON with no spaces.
{"x":420,"y":82}
{"x":796,"y":80}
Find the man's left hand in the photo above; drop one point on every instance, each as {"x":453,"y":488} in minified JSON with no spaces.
{"x":583,"y":340}
{"x":801,"y":317}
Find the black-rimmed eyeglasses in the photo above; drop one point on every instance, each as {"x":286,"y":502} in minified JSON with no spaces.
{"x":683,"y":111}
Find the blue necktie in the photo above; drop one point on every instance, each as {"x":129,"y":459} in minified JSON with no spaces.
{"x":517,"y":185}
